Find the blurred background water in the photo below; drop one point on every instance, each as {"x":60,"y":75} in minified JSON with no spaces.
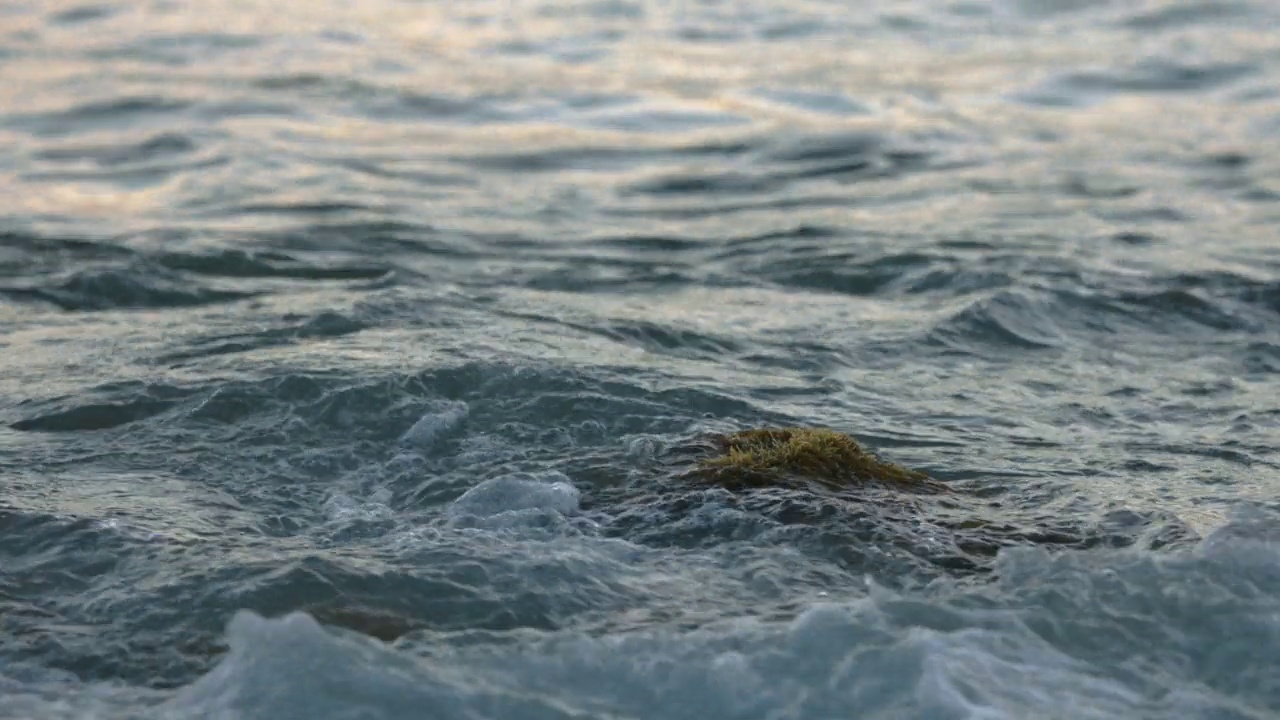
{"x":345,"y":348}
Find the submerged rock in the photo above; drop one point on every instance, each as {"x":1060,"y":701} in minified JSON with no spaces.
{"x":767,"y":457}
{"x":863,"y":509}
{"x":385,"y":625}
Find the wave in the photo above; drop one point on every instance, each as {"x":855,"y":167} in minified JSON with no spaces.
{"x":1059,"y":631}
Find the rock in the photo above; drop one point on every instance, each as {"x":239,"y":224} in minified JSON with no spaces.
{"x":773,"y":456}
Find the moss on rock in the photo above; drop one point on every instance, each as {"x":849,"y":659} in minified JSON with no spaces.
{"x":769,"y":456}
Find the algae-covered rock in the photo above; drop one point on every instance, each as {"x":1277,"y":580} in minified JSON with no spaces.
{"x":770,"y":456}
{"x":385,"y":625}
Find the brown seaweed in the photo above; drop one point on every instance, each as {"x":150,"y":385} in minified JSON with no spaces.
{"x":771,"y":456}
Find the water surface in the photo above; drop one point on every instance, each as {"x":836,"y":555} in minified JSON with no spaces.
{"x":345,"y":349}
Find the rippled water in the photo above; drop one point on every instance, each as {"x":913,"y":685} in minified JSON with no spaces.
{"x":349,"y":348}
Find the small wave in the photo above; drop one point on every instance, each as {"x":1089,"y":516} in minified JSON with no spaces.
{"x":96,"y":115}
{"x":435,"y":423}
{"x":25,"y":250}
{"x":646,"y":117}
{"x":285,"y":331}
{"x":561,"y":159}
{"x":664,"y":339}
{"x":1083,"y":88}
{"x":141,"y":285}
{"x":86,"y":13}
{"x":240,"y":264}
{"x":178,"y":49}
{"x":516,"y":501}
{"x":1007,"y":318}
{"x":94,"y":417}
{"x":149,"y":259}
{"x":1041,"y":320}
{"x":692,"y":184}
{"x":773,"y":166}
{"x":157,"y":147}
{"x":1063,"y":627}
{"x":814,"y":101}
{"x":1177,"y":15}
{"x":103,"y":408}
{"x":283,"y":207}
{"x":1215,"y":300}
{"x":844,"y":272}
{"x":1262,"y":358}
{"x":1188,"y":305}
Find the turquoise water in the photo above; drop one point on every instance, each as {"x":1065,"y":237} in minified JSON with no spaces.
{"x":348,"y":351}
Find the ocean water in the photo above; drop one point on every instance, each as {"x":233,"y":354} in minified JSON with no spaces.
{"x":349,"y":352}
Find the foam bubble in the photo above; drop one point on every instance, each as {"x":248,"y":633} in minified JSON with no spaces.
{"x":290,"y":668}
{"x":1069,"y":635}
{"x":28,"y":692}
{"x":343,"y":508}
{"x":435,"y":424}
{"x":550,"y":492}
{"x":1079,"y":635}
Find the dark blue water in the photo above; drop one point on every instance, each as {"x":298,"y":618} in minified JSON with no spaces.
{"x":348,"y":353}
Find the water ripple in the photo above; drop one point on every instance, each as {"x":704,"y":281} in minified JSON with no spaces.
{"x":407,"y":319}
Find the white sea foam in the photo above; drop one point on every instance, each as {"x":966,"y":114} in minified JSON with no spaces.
{"x":1076,"y":636}
{"x":1050,"y":639}
{"x":344,"y":508}
{"x":435,"y":424}
{"x":550,"y":492}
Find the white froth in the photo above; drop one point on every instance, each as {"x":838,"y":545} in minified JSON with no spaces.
{"x":343,"y":508}
{"x":1052,"y":637}
{"x":546,"y":492}
{"x":436,"y":423}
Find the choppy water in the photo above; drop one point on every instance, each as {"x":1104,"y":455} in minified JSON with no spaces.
{"x":346,"y":345}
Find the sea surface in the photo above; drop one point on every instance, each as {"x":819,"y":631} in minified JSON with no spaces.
{"x":351,"y":354}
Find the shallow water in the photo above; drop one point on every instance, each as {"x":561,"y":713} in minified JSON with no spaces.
{"x":348,"y":350}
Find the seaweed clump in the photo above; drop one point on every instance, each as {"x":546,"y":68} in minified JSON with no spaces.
{"x":767,"y":457}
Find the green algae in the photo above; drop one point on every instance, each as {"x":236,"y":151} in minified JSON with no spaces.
{"x":766,"y":457}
